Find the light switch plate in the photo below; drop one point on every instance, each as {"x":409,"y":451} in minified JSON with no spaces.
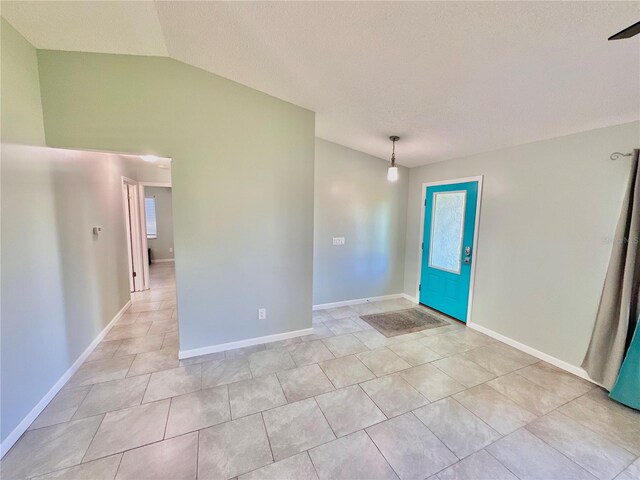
{"x":338,"y":240}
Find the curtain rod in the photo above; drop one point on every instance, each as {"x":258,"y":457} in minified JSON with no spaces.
{"x":617,"y":155}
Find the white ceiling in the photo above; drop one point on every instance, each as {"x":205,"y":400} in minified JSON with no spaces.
{"x":451,"y":78}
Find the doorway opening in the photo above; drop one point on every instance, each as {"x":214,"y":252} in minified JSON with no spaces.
{"x":148,"y":217}
{"x":158,"y":239}
{"x":153,"y":296}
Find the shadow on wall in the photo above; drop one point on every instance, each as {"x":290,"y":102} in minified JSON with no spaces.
{"x":374,"y":230}
{"x":61,"y":285}
{"x":362,"y":206}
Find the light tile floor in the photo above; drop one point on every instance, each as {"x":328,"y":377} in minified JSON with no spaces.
{"x":343,"y":403}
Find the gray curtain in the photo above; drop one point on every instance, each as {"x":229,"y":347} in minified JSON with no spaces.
{"x":619,"y":308}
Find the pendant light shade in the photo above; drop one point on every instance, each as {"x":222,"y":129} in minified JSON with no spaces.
{"x":392,"y":173}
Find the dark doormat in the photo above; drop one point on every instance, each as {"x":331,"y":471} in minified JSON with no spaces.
{"x":400,"y":322}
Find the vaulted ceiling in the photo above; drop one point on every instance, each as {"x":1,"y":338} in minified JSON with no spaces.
{"x":451,"y":78}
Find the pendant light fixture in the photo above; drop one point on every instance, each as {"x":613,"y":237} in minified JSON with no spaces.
{"x":392,"y":173}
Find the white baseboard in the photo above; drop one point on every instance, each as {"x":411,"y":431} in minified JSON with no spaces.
{"x":35,"y":411}
{"x":410,"y":298}
{"x":509,"y":341}
{"x":163,"y":260}
{"x":524,"y":348}
{"x":196,"y":352}
{"x":533,"y":352}
{"x":346,"y":303}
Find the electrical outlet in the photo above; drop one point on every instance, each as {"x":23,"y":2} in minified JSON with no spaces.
{"x":170,"y":249}
{"x":338,"y":241}
{"x":262,"y":313}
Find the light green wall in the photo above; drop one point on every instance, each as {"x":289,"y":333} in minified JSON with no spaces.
{"x":549,"y":210}
{"x":162,"y":246}
{"x":20,"y":89}
{"x":61,"y":285}
{"x":242,"y":177}
{"x":353,"y":199}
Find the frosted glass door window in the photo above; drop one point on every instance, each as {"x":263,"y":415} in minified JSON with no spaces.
{"x":446,"y":231}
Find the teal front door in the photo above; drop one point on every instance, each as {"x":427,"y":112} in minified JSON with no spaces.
{"x":447,"y":249}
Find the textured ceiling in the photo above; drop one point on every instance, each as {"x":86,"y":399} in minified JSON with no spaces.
{"x":451,"y":78}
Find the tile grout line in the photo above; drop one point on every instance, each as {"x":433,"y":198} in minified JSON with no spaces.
{"x":266,"y":434}
{"x":498,"y":460}
{"x":325,"y":419}
{"x":517,"y":371}
{"x":229,"y":402}
{"x":315,"y":469}
{"x":444,"y":443}
{"x":287,"y":402}
{"x":439,"y":439}
{"x":524,"y":427}
{"x":92,"y":439}
{"x":522,"y":406}
{"x":374,"y":402}
{"x":325,"y":374}
{"x":166,"y":421}
{"x":556,"y":450}
{"x":380,"y":452}
{"x":198,"y":452}
{"x":137,"y":446}
{"x":145,"y":387}
{"x":119,"y":464}
{"x":557,"y":409}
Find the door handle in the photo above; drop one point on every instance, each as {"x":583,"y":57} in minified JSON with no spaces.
{"x":467,"y":255}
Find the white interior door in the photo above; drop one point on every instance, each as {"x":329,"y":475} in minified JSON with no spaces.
{"x":134,"y":235}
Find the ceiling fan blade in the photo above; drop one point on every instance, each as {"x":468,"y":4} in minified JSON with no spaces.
{"x":627,"y":32}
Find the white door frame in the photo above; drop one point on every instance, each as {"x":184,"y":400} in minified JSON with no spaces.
{"x":475,"y":234}
{"x":132,"y":217}
{"x":143,"y":223}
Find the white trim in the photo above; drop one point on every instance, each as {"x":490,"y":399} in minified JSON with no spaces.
{"x":164,"y":260}
{"x":196,"y":352}
{"x":346,"y":303}
{"x":133,"y":210}
{"x":144,"y":239}
{"x":156,"y":184}
{"x":410,"y":298}
{"x":126,"y":211}
{"x":524,"y":348}
{"x":26,"y":422}
{"x":476,"y":231}
{"x":532,"y":351}
{"x":512,"y":343}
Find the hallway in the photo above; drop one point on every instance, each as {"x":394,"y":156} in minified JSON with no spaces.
{"x":345,"y":402}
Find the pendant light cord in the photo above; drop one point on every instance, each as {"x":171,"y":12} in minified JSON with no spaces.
{"x":393,"y":154}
